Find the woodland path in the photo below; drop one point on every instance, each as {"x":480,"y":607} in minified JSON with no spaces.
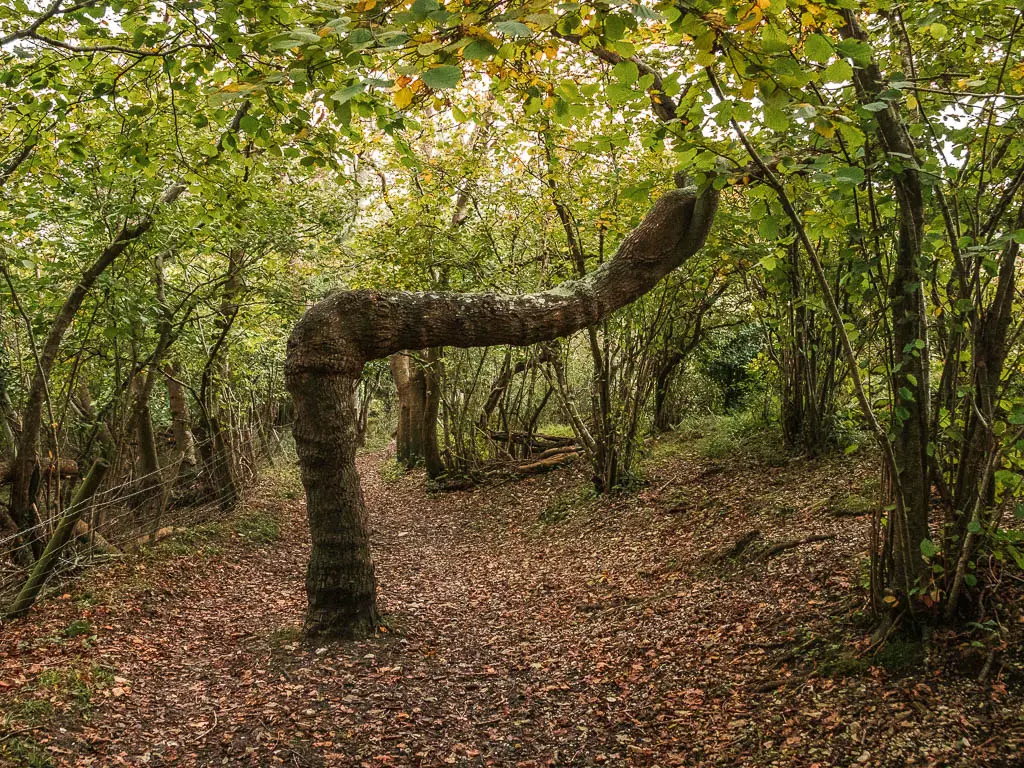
{"x":602,"y":638}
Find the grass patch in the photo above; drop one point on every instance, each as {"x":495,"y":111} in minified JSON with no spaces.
{"x":257,"y":526}
{"x":30,"y":711}
{"x":391,"y":472}
{"x":72,"y":686}
{"x":198,"y":539}
{"x":25,"y":752}
{"x":557,"y":430}
{"x":561,"y":506}
{"x":78,"y":628}
{"x":284,"y":480}
{"x":844,"y":665}
{"x":900,"y":657}
{"x":854,"y":505}
{"x":745,"y":435}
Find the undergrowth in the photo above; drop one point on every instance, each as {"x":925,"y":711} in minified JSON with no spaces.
{"x":746,"y":434}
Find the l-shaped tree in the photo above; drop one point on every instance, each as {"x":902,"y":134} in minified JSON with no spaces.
{"x":338,"y":336}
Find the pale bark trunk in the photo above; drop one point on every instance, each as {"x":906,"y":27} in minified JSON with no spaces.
{"x":181,"y":416}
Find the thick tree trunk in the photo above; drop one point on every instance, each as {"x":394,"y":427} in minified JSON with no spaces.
{"x":181,"y":416}
{"x":664,"y":419}
{"x":974,"y":486}
{"x":411,"y":383}
{"x":330,"y":345}
{"x":431,"y":409}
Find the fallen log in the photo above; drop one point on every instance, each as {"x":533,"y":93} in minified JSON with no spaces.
{"x":750,"y":549}
{"x":557,"y":451}
{"x":152,"y":538}
{"x":550,"y":462}
{"x":68,"y":468}
{"x":534,"y":439}
{"x":97,"y":539}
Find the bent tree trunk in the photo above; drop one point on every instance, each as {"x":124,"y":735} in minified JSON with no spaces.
{"x":331,"y":343}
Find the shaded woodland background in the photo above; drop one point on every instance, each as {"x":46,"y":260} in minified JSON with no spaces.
{"x":181,"y":182}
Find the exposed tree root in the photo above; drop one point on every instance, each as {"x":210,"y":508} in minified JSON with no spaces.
{"x":748,"y":549}
{"x":782,"y":546}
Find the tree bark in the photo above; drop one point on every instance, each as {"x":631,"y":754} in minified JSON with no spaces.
{"x":181,"y":416}
{"x":331,"y":343}
{"x":432,"y":405}
{"x":908,"y":524}
{"x":411,"y":383}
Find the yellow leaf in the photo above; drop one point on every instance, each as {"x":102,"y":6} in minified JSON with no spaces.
{"x":403,"y":97}
{"x":911,"y":102}
{"x":751,"y":20}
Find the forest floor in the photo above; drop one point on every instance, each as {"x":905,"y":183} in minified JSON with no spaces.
{"x":529,"y":625}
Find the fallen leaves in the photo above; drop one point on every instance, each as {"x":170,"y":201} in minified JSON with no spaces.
{"x":510,"y":642}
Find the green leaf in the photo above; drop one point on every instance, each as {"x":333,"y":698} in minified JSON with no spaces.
{"x":974,"y":527}
{"x":775,"y":119}
{"x":857,"y":51}
{"x":513,"y":28}
{"x":479,"y":50}
{"x":768,"y":228}
{"x":774,"y":40}
{"x":614,"y":28}
{"x":928,"y":548}
{"x":838,"y":71}
{"x":818,"y":48}
{"x":440,"y":78}
{"x":626,"y":72}
{"x":294,"y":38}
{"x":345,"y":94}
{"x":618,"y":94}
{"x":850,"y":175}
{"x":423,"y":8}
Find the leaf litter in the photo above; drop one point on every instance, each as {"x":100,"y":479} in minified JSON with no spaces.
{"x":606,"y":637}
